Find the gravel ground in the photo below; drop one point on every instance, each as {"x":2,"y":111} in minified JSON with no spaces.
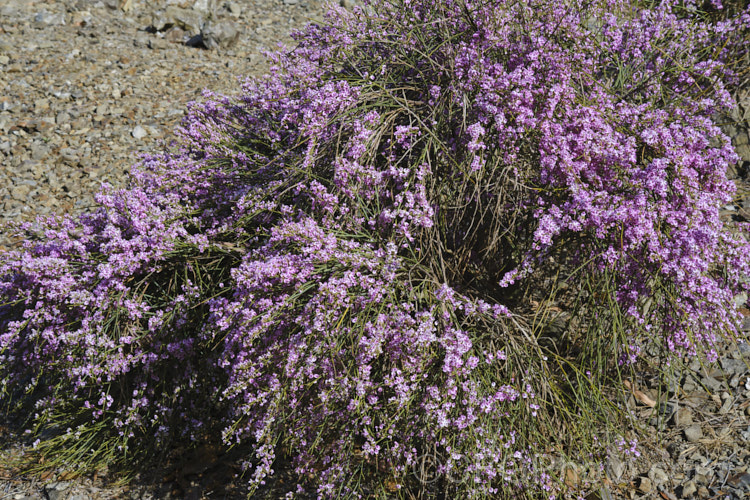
{"x":88,"y":85}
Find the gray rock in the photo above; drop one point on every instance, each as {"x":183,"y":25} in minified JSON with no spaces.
{"x":139,"y":132}
{"x":689,"y":385}
{"x":39,"y":150}
{"x":20,"y":192}
{"x":187,"y":19}
{"x":745,"y":105}
{"x":160,"y":21}
{"x":205,"y":7}
{"x":693,"y":433}
{"x":44,"y":18}
{"x":666,"y":410}
{"x":673,"y":382}
{"x":81,"y":18}
{"x":733,"y":366}
{"x":695,"y":365}
{"x":157,"y":43}
{"x":688,"y":489}
{"x":195,"y":41}
{"x":35,"y":168}
{"x":744,"y":151}
{"x":682,"y":417}
{"x":615,"y":468}
{"x":52,"y":179}
{"x":740,"y":481}
{"x":141,"y":39}
{"x":176,"y":35}
{"x":69,"y":156}
{"x":657,"y":475}
{"x":41,"y":105}
{"x":703,"y":474}
{"x":152,"y":130}
{"x":234,"y":8}
{"x":645,"y":485}
{"x":712,"y":384}
{"x":8,"y":12}
{"x":60,"y":485}
{"x":727,"y":404}
{"x":219,"y":34}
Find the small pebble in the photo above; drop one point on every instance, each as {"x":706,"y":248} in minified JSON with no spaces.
{"x":689,"y":385}
{"x":688,"y":489}
{"x":657,"y":475}
{"x":693,"y":433}
{"x":682,"y":417}
{"x":711,"y":384}
{"x":703,"y":474}
{"x":740,"y":481}
{"x":139,"y":132}
{"x":235,"y":9}
{"x":726,"y":407}
{"x":615,"y":468}
{"x":645,"y":486}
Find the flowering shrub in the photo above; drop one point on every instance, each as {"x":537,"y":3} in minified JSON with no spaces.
{"x":353,"y":262}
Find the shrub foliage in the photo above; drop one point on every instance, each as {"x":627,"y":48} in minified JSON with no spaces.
{"x":356,"y":261}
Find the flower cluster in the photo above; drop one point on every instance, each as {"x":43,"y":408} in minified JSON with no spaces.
{"x":332,"y":265}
